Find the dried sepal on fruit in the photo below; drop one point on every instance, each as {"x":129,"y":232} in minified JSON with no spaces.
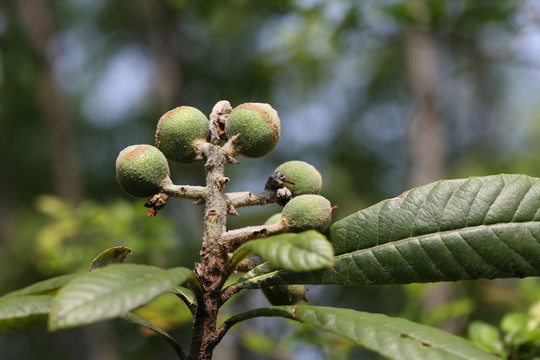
{"x":179,"y":130}
{"x":257,"y":126}
{"x":141,"y":170}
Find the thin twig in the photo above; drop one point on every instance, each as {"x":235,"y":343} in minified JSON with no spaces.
{"x":230,"y":322}
{"x":247,"y":198}
{"x":232,"y":239}
{"x":185,"y":191}
{"x":228,"y":292}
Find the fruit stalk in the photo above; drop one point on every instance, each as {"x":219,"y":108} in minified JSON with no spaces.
{"x":248,"y":198}
{"x":232,"y":239}
{"x":185,"y":191}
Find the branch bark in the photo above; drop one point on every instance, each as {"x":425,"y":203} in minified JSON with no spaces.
{"x":217,"y":242}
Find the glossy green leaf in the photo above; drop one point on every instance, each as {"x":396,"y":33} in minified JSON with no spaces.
{"x":110,"y":292}
{"x":482,"y":227}
{"x":43,"y":287}
{"x":394,"y":338}
{"x":142,"y":322}
{"x":309,"y":250}
{"x":114,"y":255}
{"x":20,"y":311}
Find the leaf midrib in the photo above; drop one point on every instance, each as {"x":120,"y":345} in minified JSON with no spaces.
{"x":465,"y":228}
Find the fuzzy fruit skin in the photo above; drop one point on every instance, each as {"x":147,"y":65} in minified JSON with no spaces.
{"x":307,"y":179}
{"x":178,"y":130}
{"x":258,"y":127}
{"x":285,"y":294}
{"x":274,"y":219}
{"x":141,"y":169}
{"x":306,"y":212}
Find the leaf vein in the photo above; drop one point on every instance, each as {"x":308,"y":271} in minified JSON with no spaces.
{"x":512,"y":249}
{"x":493,"y":200}
{"x":421,"y":244}
{"x":419,"y":210}
{"x":522,"y":199}
{"x":477,"y":253}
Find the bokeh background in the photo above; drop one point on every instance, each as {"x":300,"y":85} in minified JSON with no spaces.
{"x":380,"y":96}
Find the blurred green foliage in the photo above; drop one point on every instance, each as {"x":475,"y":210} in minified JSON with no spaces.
{"x":517,"y":335}
{"x":62,"y":237}
{"x":79,"y":230}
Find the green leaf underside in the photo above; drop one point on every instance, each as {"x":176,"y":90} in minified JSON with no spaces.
{"x":309,"y":250}
{"x":114,"y":255}
{"x":143,"y":322}
{"x":19,"y":311}
{"x":484,"y":227}
{"x":111,"y":292}
{"x":43,"y":287}
{"x":394,"y":338}
{"x":184,"y":292}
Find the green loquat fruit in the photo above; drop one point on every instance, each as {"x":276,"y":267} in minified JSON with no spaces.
{"x":141,"y":169}
{"x":257,"y":126}
{"x":285,"y":294}
{"x":305,"y":212}
{"x":177,"y":132}
{"x":274,"y":219}
{"x":304,"y":177}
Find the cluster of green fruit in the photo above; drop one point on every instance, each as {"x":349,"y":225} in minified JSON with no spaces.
{"x":142,"y":169}
{"x":251,"y":129}
{"x":306,"y":210}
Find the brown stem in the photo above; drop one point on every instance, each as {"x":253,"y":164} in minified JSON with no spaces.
{"x":213,"y":255}
{"x":229,"y":292}
{"x":217,"y":242}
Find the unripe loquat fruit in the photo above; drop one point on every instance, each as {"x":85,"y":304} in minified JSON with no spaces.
{"x":285,"y":294}
{"x":141,"y":169}
{"x":304,"y":177}
{"x":274,"y":219}
{"x":178,"y":131}
{"x":305,"y":212}
{"x":257,"y":126}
